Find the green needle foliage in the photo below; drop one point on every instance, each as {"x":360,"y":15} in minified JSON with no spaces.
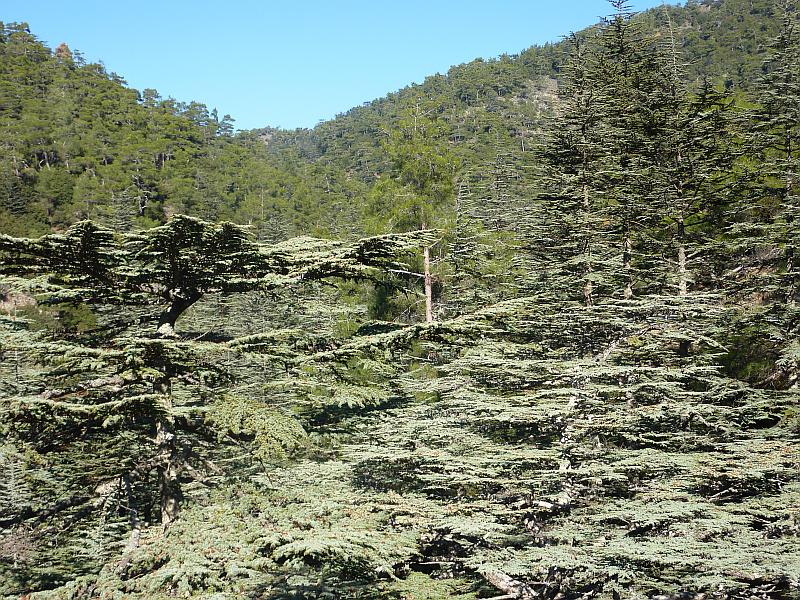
{"x":132,"y":405}
{"x":602,"y":401}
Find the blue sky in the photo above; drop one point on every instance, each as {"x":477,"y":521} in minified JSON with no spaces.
{"x":292,"y":64}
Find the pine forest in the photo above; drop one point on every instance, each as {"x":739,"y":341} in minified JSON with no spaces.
{"x":529,"y":329}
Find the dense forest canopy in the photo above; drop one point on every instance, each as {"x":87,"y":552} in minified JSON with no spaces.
{"x":529,"y":329}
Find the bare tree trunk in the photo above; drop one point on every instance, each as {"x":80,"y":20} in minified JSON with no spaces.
{"x":683,"y":276}
{"x":426,"y":260}
{"x":509,"y":585}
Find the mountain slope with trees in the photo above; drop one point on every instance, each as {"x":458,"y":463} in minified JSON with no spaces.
{"x":79,"y":144}
{"x":564,"y":365}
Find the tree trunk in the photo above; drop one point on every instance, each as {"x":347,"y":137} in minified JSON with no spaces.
{"x":588,"y":291}
{"x":426,"y":260}
{"x":179,"y":304}
{"x":169,"y":462}
{"x":136,"y":527}
{"x":426,"y":253}
{"x":509,"y":585}
{"x":683,"y":277}
{"x":169,"y":467}
{"x":789,"y":241}
{"x":168,"y":476}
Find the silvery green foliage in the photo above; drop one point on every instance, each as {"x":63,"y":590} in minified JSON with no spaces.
{"x":112,"y":415}
{"x":590,"y":450}
{"x":640,"y":441}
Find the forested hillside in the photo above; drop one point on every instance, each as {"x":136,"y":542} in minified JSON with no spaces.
{"x":543,"y":342}
{"x":78,"y":144}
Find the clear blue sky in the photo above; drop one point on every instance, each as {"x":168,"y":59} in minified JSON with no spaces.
{"x":292,"y":64}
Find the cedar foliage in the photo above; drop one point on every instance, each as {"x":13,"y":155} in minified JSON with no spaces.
{"x":139,"y":410}
{"x":605,"y":407}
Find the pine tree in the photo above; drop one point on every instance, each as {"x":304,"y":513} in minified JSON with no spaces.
{"x":629,"y":73}
{"x":419,"y":192}
{"x":576,"y":155}
{"x":776,"y":137}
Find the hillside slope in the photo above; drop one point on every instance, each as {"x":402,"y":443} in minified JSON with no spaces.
{"x":580,"y":381}
{"x":78,"y":143}
{"x":498,"y":105}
